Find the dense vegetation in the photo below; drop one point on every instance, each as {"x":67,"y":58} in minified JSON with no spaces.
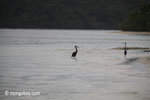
{"x":138,"y":20}
{"x":65,"y":14}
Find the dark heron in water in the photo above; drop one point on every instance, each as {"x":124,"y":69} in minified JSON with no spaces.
{"x":125,"y":50}
{"x":75,"y":53}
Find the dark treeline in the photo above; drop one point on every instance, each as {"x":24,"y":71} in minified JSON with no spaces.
{"x":65,"y":14}
{"x":138,"y":20}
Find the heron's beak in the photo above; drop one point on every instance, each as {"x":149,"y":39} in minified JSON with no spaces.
{"x":76,"y":46}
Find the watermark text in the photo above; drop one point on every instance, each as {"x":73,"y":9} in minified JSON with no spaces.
{"x":21,"y":93}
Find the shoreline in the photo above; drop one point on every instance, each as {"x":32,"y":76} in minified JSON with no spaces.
{"x":132,"y":48}
{"x":133,"y":33}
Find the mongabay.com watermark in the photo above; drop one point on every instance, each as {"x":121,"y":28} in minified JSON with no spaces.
{"x":21,"y":93}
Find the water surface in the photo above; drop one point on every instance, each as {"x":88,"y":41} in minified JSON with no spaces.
{"x":40,"y":61}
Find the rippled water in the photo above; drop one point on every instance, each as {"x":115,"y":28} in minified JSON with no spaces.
{"x":40,"y":61}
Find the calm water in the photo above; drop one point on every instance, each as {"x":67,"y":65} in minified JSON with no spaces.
{"x":40,"y":61}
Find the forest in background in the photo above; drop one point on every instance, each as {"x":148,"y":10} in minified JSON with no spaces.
{"x":66,"y":14}
{"x":138,"y":20}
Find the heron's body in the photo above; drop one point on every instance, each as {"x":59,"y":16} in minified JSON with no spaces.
{"x":75,"y":53}
{"x":125,"y":50}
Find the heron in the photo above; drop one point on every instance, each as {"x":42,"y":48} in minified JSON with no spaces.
{"x":125,"y":50}
{"x":75,"y":53}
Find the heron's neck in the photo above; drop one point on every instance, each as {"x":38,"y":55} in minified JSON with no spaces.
{"x":76,"y":49}
{"x":125,"y":47}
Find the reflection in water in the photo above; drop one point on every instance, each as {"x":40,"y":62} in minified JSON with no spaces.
{"x":130,"y":60}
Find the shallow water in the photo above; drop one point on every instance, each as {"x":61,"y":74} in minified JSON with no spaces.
{"x":40,"y":61}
